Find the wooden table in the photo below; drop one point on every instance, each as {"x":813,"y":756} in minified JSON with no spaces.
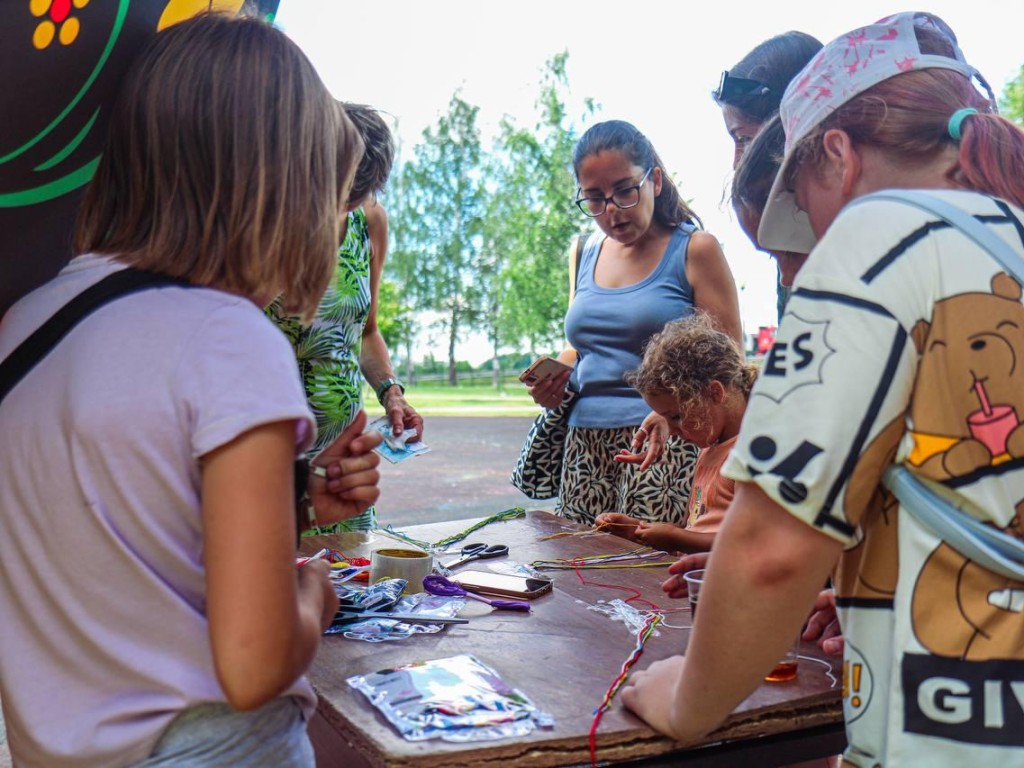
{"x":563,"y":656}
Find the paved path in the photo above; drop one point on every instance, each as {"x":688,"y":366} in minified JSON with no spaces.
{"x":464,"y":475}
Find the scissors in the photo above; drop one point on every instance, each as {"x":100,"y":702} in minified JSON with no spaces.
{"x":478,"y":552}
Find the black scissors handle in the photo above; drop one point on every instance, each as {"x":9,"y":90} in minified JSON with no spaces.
{"x":478,"y":552}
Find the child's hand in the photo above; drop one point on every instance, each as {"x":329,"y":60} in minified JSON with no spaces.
{"x":675,"y":585}
{"x":658,"y":535}
{"x":618,"y":524}
{"x":654,"y":434}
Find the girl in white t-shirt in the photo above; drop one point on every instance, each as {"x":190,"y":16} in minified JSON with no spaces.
{"x":153,"y":613}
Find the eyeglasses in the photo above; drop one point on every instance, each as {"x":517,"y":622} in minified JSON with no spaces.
{"x":628,"y":197}
{"x":731,"y":87}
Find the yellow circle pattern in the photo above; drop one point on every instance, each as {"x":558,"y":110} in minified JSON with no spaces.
{"x":43,"y":35}
{"x":69,"y":30}
{"x":47,"y":30}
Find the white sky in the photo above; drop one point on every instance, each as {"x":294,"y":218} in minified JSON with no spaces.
{"x":652,"y":63}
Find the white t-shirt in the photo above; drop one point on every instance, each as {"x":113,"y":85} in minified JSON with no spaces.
{"x":903,"y":338}
{"x":102,"y":599}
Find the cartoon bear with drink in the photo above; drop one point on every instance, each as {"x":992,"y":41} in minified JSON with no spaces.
{"x":968,"y":419}
{"x":969,"y":415}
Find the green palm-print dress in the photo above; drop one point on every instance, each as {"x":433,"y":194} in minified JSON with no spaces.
{"x":328,"y":350}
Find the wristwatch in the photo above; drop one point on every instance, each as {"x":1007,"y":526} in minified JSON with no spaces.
{"x":387,"y":384}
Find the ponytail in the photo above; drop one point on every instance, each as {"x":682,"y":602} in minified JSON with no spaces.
{"x":992,"y":157}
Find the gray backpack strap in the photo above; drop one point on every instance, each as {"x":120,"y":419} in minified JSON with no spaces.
{"x":943,"y":512}
{"x":939,"y":509}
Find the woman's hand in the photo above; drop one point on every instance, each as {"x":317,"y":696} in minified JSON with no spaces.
{"x":654,"y":432}
{"x":549,"y":393}
{"x":618,"y":524}
{"x":675,"y":585}
{"x":401,"y":415}
{"x":350,"y":487}
{"x":823,"y":625}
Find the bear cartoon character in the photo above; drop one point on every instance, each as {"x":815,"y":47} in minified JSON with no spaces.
{"x":969,"y":393}
{"x":868,"y":568}
{"x":988,"y":622}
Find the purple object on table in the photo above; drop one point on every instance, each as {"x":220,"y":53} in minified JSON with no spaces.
{"x":439,"y":585}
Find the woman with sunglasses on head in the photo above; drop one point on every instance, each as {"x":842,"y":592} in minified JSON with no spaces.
{"x":648,"y":265}
{"x":749,"y":94}
{"x":899,"y":357}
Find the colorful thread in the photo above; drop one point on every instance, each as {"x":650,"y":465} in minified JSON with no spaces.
{"x":499,"y":517}
{"x":606,"y":561}
{"x":641,"y":638}
{"x":563,"y":534}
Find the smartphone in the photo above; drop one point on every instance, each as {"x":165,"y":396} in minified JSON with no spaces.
{"x":542,"y":369}
{"x":502,"y":584}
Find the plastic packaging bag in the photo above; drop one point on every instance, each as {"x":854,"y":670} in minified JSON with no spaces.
{"x":454,"y":699}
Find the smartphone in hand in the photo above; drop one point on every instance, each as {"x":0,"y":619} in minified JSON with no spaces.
{"x":542,"y":369}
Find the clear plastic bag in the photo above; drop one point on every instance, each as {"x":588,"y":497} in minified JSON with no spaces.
{"x":455,"y":699}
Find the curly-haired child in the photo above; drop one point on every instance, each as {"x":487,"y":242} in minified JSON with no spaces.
{"x":696,"y":377}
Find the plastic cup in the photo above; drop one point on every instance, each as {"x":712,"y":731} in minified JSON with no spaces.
{"x":787,"y":667}
{"x":694,"y":580}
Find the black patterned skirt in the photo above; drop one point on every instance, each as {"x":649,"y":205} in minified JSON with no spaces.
{"x":593,"y":483}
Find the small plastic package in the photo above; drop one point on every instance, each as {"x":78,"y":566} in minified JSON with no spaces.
{"x":453,"y":699}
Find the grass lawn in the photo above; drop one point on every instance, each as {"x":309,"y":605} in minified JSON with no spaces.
{"x":475,"y":399}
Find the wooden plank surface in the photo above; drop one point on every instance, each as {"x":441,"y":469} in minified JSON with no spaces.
{"x":563,"y":655}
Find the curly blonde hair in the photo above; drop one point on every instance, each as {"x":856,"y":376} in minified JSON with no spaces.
{"x":685,"y":357}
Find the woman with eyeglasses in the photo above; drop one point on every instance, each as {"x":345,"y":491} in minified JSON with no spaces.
{"x":648,"y":265}
{"x":749,"y":95}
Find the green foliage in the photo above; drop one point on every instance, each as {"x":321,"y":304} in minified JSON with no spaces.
{"x":439,"y":222}
{"x":533,"y":218}
{"x":482,"y":239}
{"x":394,"y":317}
{"x":1011,"y":104}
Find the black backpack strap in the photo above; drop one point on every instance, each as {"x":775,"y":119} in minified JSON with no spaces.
{"x":42,"y":341}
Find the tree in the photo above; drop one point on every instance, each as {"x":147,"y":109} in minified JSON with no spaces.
{"x":394,"y":316}
{"x":533,"y":217}
{"x":1011,"y":103}
{"x":439,"y":222}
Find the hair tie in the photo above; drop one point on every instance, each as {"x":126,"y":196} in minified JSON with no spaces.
{"x":957,"y":119}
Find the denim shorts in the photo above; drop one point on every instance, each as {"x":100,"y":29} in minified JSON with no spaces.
{"x":214,"y":734}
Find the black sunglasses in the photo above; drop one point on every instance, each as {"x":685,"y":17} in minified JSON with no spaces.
{"x":731,"y":87}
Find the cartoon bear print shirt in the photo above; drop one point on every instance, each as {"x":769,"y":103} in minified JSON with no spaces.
{"x":904,"y":341}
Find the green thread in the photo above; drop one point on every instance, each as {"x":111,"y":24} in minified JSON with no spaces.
{"x":56,"y":188}
{"x":508,"y":514}
{"x":122,"y":12}
{"x":71,"y":147}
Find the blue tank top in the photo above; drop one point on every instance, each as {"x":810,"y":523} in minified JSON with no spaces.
{"x":608,"y":327}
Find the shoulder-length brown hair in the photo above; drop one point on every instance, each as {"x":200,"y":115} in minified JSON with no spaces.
{"x":227,"y":163}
